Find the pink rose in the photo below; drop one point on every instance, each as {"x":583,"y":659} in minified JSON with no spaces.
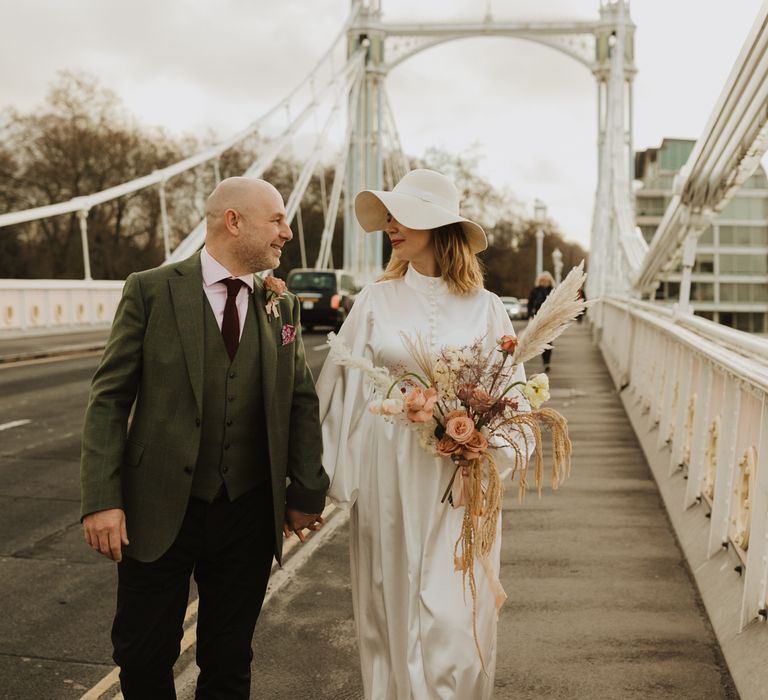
{"x":275,"y":285}
{"x":507,"y":343}
{"x":456,"y":414}
{"x":481,"y":401}
{"x":420,"y":403}
{"x":460,"y":428}
{"x":464,"y":392}
{"x":447,"y":446}
{"x":475,"y":446}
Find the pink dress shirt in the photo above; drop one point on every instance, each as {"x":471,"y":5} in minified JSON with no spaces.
{"x":213,"y":272}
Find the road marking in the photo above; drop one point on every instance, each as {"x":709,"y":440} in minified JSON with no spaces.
{"x":277,"y":579}
{"x":14,"y":424}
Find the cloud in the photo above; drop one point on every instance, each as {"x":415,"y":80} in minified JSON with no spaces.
{"x":203,"y":66}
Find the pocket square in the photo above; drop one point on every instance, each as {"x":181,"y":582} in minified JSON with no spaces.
{"x":288,"y":333}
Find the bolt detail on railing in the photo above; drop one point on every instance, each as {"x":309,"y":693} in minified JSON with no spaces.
{"x":686,"y":457}
{"x":710,"y":459}
{"x":742,"y":516}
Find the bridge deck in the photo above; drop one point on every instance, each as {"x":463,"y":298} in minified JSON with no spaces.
{"x":601,"y":602}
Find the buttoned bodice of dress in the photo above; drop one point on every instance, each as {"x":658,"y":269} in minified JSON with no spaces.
{"x":435,"y":289}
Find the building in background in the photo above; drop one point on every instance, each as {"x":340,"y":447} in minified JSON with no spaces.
{"x":729,"y":282}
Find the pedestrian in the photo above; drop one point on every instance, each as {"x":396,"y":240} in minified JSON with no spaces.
{"x":210,"y":363}
{"x":544,"y":286}
{"x":583,"y":297}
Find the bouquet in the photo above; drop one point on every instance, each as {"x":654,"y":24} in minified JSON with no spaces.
{"x":465,"y":405}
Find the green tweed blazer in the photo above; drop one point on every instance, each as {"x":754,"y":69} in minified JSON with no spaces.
{"x":141,"y":435}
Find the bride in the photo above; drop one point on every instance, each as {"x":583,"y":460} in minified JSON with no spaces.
{"x":413,"y":618}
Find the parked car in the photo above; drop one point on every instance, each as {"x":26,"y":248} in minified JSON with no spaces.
{"x":514,"y":308}
{"x":326,"y":296}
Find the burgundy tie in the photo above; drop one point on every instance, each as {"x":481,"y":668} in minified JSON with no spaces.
{"x":230,"y":325}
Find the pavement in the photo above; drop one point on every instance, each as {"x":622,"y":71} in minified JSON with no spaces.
{"x":30,"y":345}
{"x":601,"y":602}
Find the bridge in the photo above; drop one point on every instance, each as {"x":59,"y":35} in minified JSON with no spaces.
{"x":650,"y":574}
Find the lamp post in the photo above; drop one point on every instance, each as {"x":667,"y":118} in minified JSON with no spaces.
{"x":557,"y":262}
{"x":539,"y":215}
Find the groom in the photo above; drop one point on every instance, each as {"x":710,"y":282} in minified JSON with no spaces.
{"x":224,"y":412}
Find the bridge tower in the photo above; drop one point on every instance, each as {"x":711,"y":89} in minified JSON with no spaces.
{"x":604,"y":46}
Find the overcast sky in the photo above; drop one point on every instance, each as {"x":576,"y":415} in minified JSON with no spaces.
{"x":195,"y":66}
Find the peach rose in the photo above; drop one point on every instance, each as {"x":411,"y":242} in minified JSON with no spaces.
{"x":460,"y":428}
{"x":475,"y":446}
{"x":464,"y":392}
{"x":447,"y":446}
{"x":420,"y":403}
{"x":275,"y":285}
{"x":456,"y":414}
{"x":481,"y":401}
{"x":508,"y":343}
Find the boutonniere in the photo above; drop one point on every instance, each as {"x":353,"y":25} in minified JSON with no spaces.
{"x":275,"y":291}
{"x":288,"y":333}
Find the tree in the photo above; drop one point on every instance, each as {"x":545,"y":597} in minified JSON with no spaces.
{"x":79,"y":142}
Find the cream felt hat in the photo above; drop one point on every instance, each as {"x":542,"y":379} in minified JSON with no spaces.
{"x":423,"y":199}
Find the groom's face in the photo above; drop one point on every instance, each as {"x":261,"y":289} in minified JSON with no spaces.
{"x":263,"y":232}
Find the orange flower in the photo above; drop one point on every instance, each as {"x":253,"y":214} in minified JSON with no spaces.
{"x":507,"y":343}
{"x":464,"y":392}
{"x":460,"y":428}
{"x":475,"y":446}
{"x":275,"y":285}
{"x":420,"y":403}
{"x":456,"y":414}
{"x":447,"y":446}
{"x":481,"y":401}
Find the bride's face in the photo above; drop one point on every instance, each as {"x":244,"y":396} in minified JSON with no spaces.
{"x":409,"y":244}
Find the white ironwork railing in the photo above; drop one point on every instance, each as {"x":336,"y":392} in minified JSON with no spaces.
{"x":704,"y":389}
{"x":727,"y":153}
{"x":27,"y":305}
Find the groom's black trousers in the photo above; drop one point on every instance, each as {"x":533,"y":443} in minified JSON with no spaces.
{"x":229,"y":547}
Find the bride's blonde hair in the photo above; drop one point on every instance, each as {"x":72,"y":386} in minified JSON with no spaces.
{"x":459,"y":266}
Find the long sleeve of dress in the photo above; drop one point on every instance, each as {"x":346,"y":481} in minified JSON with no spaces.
{"x":499,"y":325}
{"x":344,"y":395}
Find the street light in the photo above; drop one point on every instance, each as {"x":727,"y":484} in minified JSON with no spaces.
{"x":540,"y":216}
{"x":557,"y":262}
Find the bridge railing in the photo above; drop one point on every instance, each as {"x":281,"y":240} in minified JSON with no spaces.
{"x":703,"y":389}
{"x":29,"y":305}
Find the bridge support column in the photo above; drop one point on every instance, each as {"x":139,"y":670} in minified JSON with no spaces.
{"x":365,"y":169}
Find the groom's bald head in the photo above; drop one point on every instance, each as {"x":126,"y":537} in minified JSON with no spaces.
{"x":245,"y":221}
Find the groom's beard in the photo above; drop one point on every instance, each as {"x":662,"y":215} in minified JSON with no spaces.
{"x":256,"y":257}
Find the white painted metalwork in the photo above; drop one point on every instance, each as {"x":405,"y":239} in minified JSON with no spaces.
{"x":727,"y":372}
{"x":29,"y":305}
{"x":604,"y":46}
{"x":729,"y":150}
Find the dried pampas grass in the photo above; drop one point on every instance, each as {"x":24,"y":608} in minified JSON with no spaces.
{"x":558,"y":311}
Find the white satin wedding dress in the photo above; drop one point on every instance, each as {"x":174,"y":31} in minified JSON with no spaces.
{"x":413,"y":618}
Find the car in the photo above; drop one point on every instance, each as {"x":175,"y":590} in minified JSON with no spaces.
{"x":514,"y":308}
{"x":326,"y":296}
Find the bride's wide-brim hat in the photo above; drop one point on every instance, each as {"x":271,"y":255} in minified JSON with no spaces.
{"x":423,"y":199}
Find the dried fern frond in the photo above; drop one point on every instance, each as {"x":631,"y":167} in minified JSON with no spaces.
{"x":558,"y":311}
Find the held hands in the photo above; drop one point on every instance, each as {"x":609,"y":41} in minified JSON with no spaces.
{"x":296,"y":521}
{"x":105,"y":532}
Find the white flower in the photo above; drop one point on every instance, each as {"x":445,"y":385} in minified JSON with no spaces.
{"x":391,"y":407}
{"x":537,"y":390}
